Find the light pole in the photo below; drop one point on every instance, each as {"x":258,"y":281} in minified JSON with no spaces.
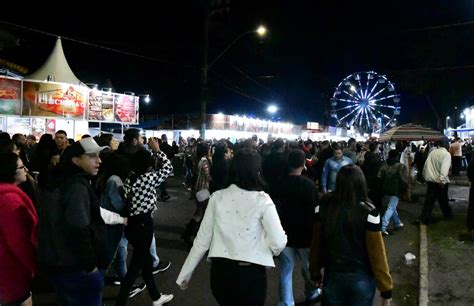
{"x":447,"y":123}
{"x":261,"y":31}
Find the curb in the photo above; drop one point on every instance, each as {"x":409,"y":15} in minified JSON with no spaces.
{"x":423,"y":294}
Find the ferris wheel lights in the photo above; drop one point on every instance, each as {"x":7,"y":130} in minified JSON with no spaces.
{"x":357,"y":77}
{"x":347,"y":83}
{"x":381,"y":80}
{"x":353,"y":88}
{"x":396,"y":100}
{"x":370,"y":76}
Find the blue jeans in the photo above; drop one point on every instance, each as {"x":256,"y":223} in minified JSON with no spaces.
{"x":288,"y":258}
{"x":78,"y":288}
{"x":154,"y":255}
{"x":120,"y":260}
{"x":344,"y":289}
{"x":391,"y":213}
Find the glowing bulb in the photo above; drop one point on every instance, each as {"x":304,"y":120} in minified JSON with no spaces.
{"x":261,"y":30}
{"x":272,"y":109}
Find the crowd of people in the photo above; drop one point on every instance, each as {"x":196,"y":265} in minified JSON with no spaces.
{"x":70,"y":210}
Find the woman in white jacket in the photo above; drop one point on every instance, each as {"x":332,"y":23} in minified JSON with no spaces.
{"x":242,"y":231}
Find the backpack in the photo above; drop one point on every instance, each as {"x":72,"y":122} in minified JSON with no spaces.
{"x":392,"y":183}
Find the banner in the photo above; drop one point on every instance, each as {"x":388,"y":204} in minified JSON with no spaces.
{"x":126,"y":109}
{"x":10,"y":94}
{"x":18,"y":125}
{"x":38,"y":127}
{"x":101,"y":106}
{"x":52,"y":99}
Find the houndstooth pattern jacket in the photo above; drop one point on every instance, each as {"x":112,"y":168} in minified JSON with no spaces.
{"x":142,"y":193}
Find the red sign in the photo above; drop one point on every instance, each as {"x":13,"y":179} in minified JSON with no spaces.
{"x":126,"y":108}
{"x":50,"y":99}
{"x":10,"y":91}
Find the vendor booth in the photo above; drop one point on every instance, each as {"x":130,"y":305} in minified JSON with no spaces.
{"x":53,"y":98}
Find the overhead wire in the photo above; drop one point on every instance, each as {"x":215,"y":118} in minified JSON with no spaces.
{"x":229,"y":85}
{"x":98,"y":46}
{"x":252,"y":79}
{"x":234,"y":88}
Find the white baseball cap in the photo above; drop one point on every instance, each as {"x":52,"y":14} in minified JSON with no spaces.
{"x":85,"y":146}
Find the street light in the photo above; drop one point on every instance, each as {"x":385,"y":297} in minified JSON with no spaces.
{"x":146,"y":99}
{"x":272,"y":109}
{"x":261,"y":31}
{"x":447,"y":122}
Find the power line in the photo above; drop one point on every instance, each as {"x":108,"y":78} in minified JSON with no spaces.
{"x":445,"y":26}
{"x":228,"y":85}
{"x":253,"y":80}
{"x":98,"y":46}
{"x":470,"y":66}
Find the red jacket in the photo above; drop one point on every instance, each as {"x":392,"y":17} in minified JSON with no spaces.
{"x":18,"y":234}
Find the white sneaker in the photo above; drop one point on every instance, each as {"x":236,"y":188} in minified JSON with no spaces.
{"x":164,"y":298}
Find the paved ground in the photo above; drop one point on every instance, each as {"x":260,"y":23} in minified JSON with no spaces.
{"x":450,"y":258}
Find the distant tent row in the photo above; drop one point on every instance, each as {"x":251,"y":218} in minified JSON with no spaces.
{"x":411,"y":132}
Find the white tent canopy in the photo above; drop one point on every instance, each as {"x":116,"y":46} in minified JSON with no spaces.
{"x":56,"y":68}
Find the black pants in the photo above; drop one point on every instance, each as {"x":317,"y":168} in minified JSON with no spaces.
{"x":235,"y":283}
{"x":457,"y":164}
{"x":470,"y":210}
{"x":377,"y":198}
{"x":139,"y":233}
{"x":163,"y":192}
{"x":435,"y":192}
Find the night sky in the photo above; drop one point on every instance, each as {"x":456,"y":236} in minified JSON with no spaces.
{"x":311,"y":46}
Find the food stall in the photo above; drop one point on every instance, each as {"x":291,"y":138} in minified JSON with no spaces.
{"x":53,"y":98}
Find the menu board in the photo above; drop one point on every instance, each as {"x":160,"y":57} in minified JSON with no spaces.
{"x":10,"y":94}
{"x":38,"y":127}
{"x":51,"y":126}
{"x":101,"y":106}
{"x":52,"y":99}
{"x":126,"y":108}
{"x":18,"y":125}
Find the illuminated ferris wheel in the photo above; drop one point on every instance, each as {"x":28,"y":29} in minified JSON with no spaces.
{"x":367,"y":101}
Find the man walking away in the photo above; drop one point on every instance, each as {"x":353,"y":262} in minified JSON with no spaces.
{"x":298,"y":197}
{"x":436,"y":172}
{"x":394,"y":180}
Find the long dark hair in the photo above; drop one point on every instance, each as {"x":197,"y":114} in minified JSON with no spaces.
{"x":351,"y":189}
{"x":245,"y":170}
{"x":105,"y":139}
{"x":113,"y":164}
{"x":219,"y":152}
{"x":8,"y":167}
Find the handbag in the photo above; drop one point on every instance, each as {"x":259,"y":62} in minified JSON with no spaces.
{"x":202,"y":195}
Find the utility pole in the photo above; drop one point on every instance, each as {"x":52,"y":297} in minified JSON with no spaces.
{"x":210,"y":7}
{"x":204,"y":70}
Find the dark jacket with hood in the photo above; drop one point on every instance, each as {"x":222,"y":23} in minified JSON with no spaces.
{"x":393,"y":177}
{"x":72,"y":232}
